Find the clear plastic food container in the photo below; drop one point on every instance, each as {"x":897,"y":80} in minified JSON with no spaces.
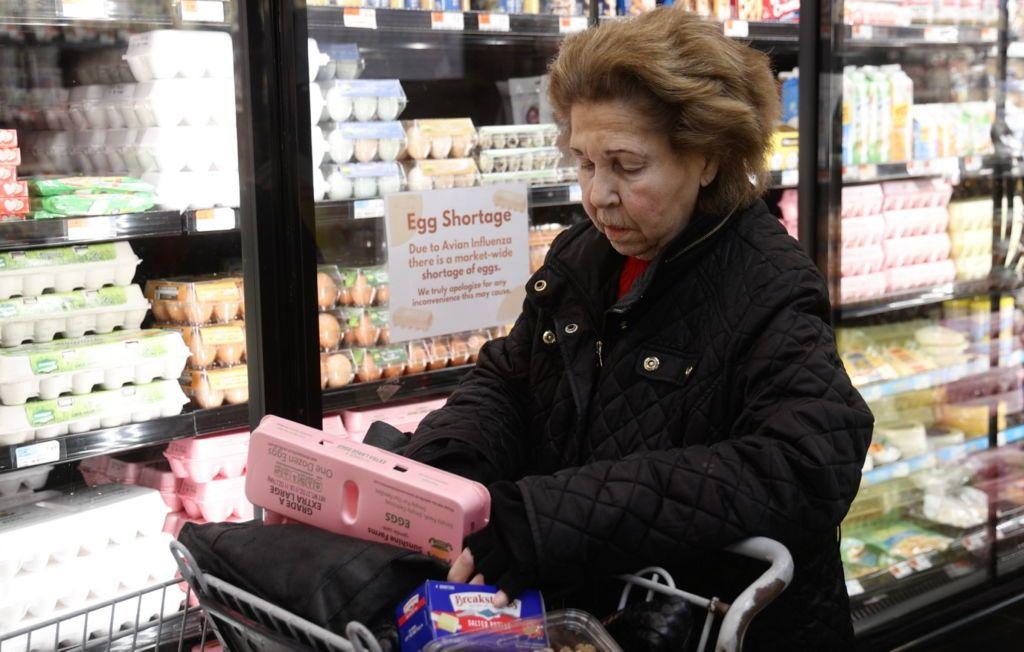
{"x":336,"y":369}
{"x":63,"y":269}
{"x":365,"y":141}
{"x":512,"y":136}
{"x":72,"y":314}
{"x":213,"y":345}
{"x":451,"y":137}
{"x":374,"y":363}
{"x":328,"y":282}
{"x":345,"y":62}
{"x":195,"y":300}
{"x":440,"y":174}
{"x":363,"y":99}
{"x":521,"y":159}
{"x":171,"y":53}
{"x":363,"y":287}
{"x":570,"y":630}
{"x":210,"y":388}
{"x":363,"y":180}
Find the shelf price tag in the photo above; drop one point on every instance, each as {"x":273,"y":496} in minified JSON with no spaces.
{"x":488,"y":22}
{"x":920,"y":563}
{"x":868,"y":172}
{"x":365,"y":209}
{"x":83,"y":8}
{"x":854,"y":587}
{"x":43,"y":452}
{"x":941,"y":34}
{"x":202,"y":11}
{"x":215,"y":219}
{"x":571,"y":24}
{"x":919,"y":168}
{"x":901,"y":570}
{"x":360,"y":17}
{"x":90,"y":228}
{"x":737,"y":28}
{"x":863,"y":32}
{"x":972,"y":163}
{"x":989,"y":34}
{"x":791,"y":177}
{"x":453,"y":21}
{"x":575,"y":192}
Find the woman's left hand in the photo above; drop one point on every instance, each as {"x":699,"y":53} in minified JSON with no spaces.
{"x":463,"y":571}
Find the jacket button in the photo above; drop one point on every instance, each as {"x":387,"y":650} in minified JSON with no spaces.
{"x":651,"y":363}
{"x":622,"y":325}
{"x":571,"y":328}
{"x":548,"y":337}
{"x":540,"y":285}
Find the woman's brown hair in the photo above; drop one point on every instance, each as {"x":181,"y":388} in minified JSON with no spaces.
{"x":708,"y":93}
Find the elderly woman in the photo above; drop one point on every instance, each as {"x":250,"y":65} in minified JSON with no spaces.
{"x":672,"y":384}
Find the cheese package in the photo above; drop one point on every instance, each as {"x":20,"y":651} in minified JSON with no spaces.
{"x":361,"y":491}
{"x":439,"y":609}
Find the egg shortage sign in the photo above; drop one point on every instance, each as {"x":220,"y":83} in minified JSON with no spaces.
{"x":457,"y":259}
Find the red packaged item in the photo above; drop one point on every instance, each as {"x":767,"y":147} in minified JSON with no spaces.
{"x":8,"y":138}
{"x":10,"y":156}
{"x":11,"y":218}
{"x":14,"y":189}
{"x":14,"y":205}
{"x":8,"y":173}
{"x":781,"y":11}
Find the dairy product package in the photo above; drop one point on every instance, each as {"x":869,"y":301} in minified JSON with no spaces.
{"x":451,"y":137}
{"x":923,"y":275}
{"x":182,"y":190}
{"x":73,"y":314}
{"x":363,"y":99}
{"x":916,"y":250}
{"x":24,"y":481}
{"x":63,"y":269}
{"x":365,"y":141}
{"x":171,"y":53}
{"x":361,"y":491}
{"x":363,"y":180}
{"x":210,"y":388}
{"x":441,"y":174}
{"x":202,"y":459}
{"x":191,"y":102}
{"x":862,"y":287}
{"x":213,"y":345}
{"x":514,"y":136}
{"x":863,"y":231}
{"x":514,"y":160}
{"x":863,"y":260}
{"x":77,"y":365}
{"x":194,"y":149}
{"x":85,"y":203}
{"x":915,"y":221}
{"x":216,"y":500}
{"x":195,"y":300}
{"x":439,"y":609}
{"x":785,"y":149}
{"x":867,"y":199}
{"x":45,"y":419}
{"x":406,"y":416}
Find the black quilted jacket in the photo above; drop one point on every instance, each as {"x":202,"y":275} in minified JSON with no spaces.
{"x":705,"y":406}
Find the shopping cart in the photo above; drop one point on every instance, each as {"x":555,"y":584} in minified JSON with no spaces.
{"x":244,"y":622}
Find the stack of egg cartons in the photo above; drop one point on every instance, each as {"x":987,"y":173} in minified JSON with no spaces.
{"x":209,"y":314}
{"x":55,"y":387}
{"x":145,"y":468}
{"x":863,"y":232}
{"x":73,"y":552}
{"x":211,"y":475}
{"x":917,"y":244}
{"x":14,"y":204}
{"x":441,"y":154}
{"x":970,"y":230}
{"x":403,"y":416}
{"x":527,"y":153}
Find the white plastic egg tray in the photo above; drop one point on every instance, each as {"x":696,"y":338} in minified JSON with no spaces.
{"x":73,"y":314}
{"x":181,"y":190}
{"x":85,"y":522}
{"x":63,"y":269}
{"x":102,"y":409}
{"x":171,"y":53}
{"x":23,"y":481}
{"x":78,"y":365}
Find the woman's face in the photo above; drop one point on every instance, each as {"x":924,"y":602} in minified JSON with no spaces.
{"x":637,"y":190}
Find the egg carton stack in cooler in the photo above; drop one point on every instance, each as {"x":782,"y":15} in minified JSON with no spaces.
{"x":51,"y":387}
{"x":209,"y":314}
{"x":174,"y":126}
{"x":73,"y":552}
{"x":14,"y":203}
{"x":146,"y":468}
{"x":541,"y":237}
{"x":439,"y":154}
{"x":970,"y":231}
{"x":522,"y":153}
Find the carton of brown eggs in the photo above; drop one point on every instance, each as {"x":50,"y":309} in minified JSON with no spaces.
{"x":439,"y":139}
{"x":195,"y":300}
{"x":442,"y":173}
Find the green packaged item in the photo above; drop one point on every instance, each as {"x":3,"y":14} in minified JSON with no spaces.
{"x":904,"y":540}
{"x":99,"y":203}
{"x":49,"y":187}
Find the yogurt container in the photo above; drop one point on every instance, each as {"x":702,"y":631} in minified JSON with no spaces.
{"x":45,"y":419}
{"x":363,"y":180}
{"x":63,"y":269}
{"x":363,"y":99}
{"x":195,"y":300}
{"x":73,"y":314}
{"x":78,"y":365}
{"x":171,"y":53}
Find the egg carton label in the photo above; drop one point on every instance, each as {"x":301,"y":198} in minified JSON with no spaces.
{"x":446,"y":127}
{"x":365,"y":130}
{"x":8,"y":138}
{"x":370,"y":88}
{"x":35,"y":258}
{"x":342,"y":51}
{"x":217,"y":291}
{"x":86,"y":352}
{"x":10,"y":156}
{"x":367,"y":170}
{"x":225,"y":379}
{"x":66,"y":408}
{"x":447,"y":166}
{"x":227,"y":334}
{"x":48,"y":304}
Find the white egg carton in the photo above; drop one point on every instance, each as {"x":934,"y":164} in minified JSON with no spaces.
{"x":101,"y":576}
{"x":362,"y":99}
{"x":335,"y":60}
{"x":442,"y":173}
{"x":182,"y":190}
{"x":519,"y":160}
{"x":73,"y":314}
{"x":172,"y":53}
{"x":78,"y":365}
{"x":193,"y":149}
{"x":365,"y":141}
{"x":363,"y":180}
{"x":513,"y":136}
{"x":63,"y":269}
{"x":45,"y":419}
{"x":23,"y":481}
{"x":85,"y":522}
{"x":191,"y":102}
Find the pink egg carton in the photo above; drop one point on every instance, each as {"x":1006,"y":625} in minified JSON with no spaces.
{"x":858,"y":201}
{"x":916,"y":193}
{"x":94,"y":470}
{"x":404,"y":416}
{"x":862,"y":288}
{"x":217,"y":500}
{"x":160,"y":477}
{"x":900,"y":279}
{"x":901,"y":252}
{"x":858,"y":261}
{"x":863,"y":231}
{"x":361,"y":491}
{"x":916,"y":221}
{"x":201,"y":459}
{"x":177,"y":520}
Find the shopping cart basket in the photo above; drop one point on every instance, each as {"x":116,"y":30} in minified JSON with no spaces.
{"x":244,"y":622}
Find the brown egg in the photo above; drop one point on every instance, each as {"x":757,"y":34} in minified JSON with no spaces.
{"x":394,"y":370}
{"x":202,"y":395}
{"x":175,"y":311}
{"x":226,"y":310}
{"x":383,"y":295}
{"x":237,"y":395}
{"x":438,"y":356}
{"x":160,"y":312}
{"x":476,"y":342}
{"x":339,"y":370}
{"x":330,"y":331}
{"x":230,"y":354}
{"x":245,"y":353}
{"x":462,"y":146}
{"x":460,"y":350}
{"x":385,"y":335}
{"x":323,"y":374}
{"x":326,"y":291}
{"x":203,"y":355}
{"x":366,"y":333}
{"x":367,"y":370}
{"x":345,"y":296}
{"x":197,"y":312}
{"x":417,"y":359}
{"x":362,"y":292}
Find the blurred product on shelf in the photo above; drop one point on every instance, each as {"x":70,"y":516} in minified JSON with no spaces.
{"x":515,"y":136}
{"x":361,"y":180}
{"x":361,"y":100}
{"x":970,"y":232}
{"x":877,"y":104}
{"x":364,"y":141}
{"x":329,"y":61}
{"x":197,"y":300}
{"x":447,"y":138}
{"x":789,"y":208}
{"x":442,"y":174}
{"x":922,"y":12}
{"x":541,"y":237}
{"x":214,"y":387}
{"x":790,"y":96}
{"x":785,"y":149}
{"x":24,"y":483}
{"x":14,"y":202}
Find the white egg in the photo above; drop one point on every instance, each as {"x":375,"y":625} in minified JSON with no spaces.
{"x":348,"y":69}
{"x":419,"y":181}
{"x":366,"y":150}
{"x":441,"y":147}
{"x":389,"y":184}
{"x":418,"y":145}
{"x":388,"y":108}
{"x":339,"y":106}
{"x":365,"y":187}
{"x":465,"y":180}
{"x":364,"y":108}
{"x":499,"y":141}
{"x":514,"y":163}
{"x":340,"y":185}
{"x":442,"y":181}
{"x":340,"y":148}
{"x":388,"y":149}
{"x":316,"y":103}
{"x":485,"y":162}
{"x":320,"y":186}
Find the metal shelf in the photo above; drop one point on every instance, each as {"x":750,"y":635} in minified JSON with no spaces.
{"x":876,"y":391}
{"x":953,"y":166}
{"x":891,"y":36}
{"x":922,"y":297}
{"x":73,"y":230}
{"x":490,"y":25}
{"x":136,"y":435}
{"x":431,"y":383}
{"x":73,"y":12}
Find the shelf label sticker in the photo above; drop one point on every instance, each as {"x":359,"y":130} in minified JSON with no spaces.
{"x":202,"y":11}
{"x":920,"y":563}
{"x":919,"y":168}
{"x":215,"y":219}
{"x":42,"y":452}
{"x":901,"y":570}
{"x":360,"y":18}
{"x":989,"y":34}
{"x":737,"y":28}
{"x":571,"y":24}
{"x":575,"y":192}
{"x":863,"y":32}
{"x":972,"y":163}
{"x":868,"y":172}
{"x":854,"y":588}
{"x":458,"y":259}
{"x":90,"y":228}
{"x":488,"y":22}
{"x":365,"y":209}
{"x":453,"y":21}
{"x":83,"y":8}
{"x":791,"y":177}
{"x":941,"y":34}
{"x":849,"y":173}
{"x":900,"y":470}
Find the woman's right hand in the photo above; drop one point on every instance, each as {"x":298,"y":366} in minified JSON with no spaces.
{"x":464,"y":568}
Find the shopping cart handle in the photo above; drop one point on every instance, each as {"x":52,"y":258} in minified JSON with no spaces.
{"x":758,"y":595}
{"x":190,"y":571}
